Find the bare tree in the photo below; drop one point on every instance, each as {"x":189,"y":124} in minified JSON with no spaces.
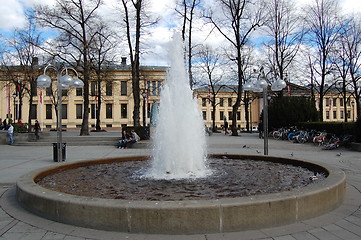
{"x":23,"y":54}
{"x":101,"y":56}
{"x":210,"y":66}
{"x":239,"y":19}
{"x":352,"y":43}
{"x":283,"y":25}
{"x":74,"y":20}
{"x":186,"y":9}
{"x":321,"y":20}
{"x":135,"y":19}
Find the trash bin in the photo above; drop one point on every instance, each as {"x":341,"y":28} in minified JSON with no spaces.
{"x":55,"y":152}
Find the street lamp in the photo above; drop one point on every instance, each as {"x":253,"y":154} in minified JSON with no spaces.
{"x":63,"y":82}
{"x":144,"y":95}
{"x":250,"y":112}
{"x":261,"y":85}
{"x":14,"y":96}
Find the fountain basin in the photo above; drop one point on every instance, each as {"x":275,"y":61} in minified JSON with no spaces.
{"x":186,"y":216}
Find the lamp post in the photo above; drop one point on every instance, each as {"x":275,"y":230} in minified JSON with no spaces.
{"x":250,"y":113}
{"x":63,"y":82}
{"x":144,"y":95}
{"x":261,"y":85}
{"x":14,"y":96}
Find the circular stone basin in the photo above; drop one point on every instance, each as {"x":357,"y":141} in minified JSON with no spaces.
{"x":221,"y":206}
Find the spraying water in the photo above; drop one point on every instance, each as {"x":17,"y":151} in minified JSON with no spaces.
{"x":180,"y":141}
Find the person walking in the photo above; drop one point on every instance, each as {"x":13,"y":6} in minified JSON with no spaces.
{"x":225,"y":126}
{"x":11,"y":133}
{"x":37,"y":129}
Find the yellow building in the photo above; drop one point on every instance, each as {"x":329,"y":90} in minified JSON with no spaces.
{"x":334,"y":108}
{"x":225,"y":99}
{"x":117,"y":102}
{"x":116,"y":96}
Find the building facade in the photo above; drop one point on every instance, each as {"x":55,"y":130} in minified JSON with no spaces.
{"x":117,"y":102}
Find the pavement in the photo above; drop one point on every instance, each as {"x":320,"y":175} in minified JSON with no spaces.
{"x":342,"y":223}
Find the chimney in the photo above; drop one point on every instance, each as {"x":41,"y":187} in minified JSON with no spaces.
{"x":35,"y":61}
{"x":124,"y":61}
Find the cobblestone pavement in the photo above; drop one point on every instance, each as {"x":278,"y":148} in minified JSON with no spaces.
{"x":342,"y":223}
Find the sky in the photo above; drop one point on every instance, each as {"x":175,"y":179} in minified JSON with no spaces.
{"x":12,"y":16}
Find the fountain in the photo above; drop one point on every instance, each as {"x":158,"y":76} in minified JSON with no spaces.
{"x":179,"y":140}
{"x":179,"y":159}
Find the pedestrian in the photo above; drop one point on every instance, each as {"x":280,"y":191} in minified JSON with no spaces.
{"x":225,"y":126}
{"x":4,"y":124}
{"x":37,"y":129}
{"x":260,"y":129}
{"x":11,"y":133}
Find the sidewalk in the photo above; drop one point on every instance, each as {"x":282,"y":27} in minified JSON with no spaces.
{"x":342,"y":223}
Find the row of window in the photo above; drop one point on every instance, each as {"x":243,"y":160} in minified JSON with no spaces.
{"x":153,"y":87}
{"x":341,"y":114}
{"x":221,"y":116}
{"x":221,"y":102}
{"x":333,"y":102}
{"x":79,"y":111}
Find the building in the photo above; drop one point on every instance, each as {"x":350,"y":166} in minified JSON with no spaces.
{"x":225,"y":98}
{"x":116,"y":96}
{"x":117,"y":101}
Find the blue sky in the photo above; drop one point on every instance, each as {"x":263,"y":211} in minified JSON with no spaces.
{"x":13,"y":16}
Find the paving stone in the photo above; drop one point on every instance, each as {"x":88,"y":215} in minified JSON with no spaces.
{"x":287,"y":237}
{"x":322,"y":234}
{"x":304,"y":236}
{"x":350,"y":226}
{"x":341,"y":232}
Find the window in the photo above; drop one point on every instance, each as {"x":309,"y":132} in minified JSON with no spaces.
{"x":109,"y":88}
{"x":64,"y":111}
{"x":348,"y":114}
{"x":79,"y":92}
{"x":93,"y":87}
{"x":33,"y":113}
{"x":49,"y":111}
{"x":92,"y":111}
{"x":221,"y":102}
{"x":238,"y":115}
{"x":334,"y":115}
{"x":341,"y":102}
{"x":204,"y":113}
{"x":123,"y":88}
{"x":79,"y":111}
{"x":109,"y":110}
{"x":327,"y":102}
{"x":327,"y":114}
{"x":334,"y":102}
{"x":48,"y":91}
{"x":123,"y":110}
{"x":204,"y":102}
{"x":341,"y":114}
{"x":154,"y":88}
{"x":64,"y":92}
{"x":229,"y":115}
{"x":212,"y":115}
{"x":221,"y":115}
{"x":229,"y":102}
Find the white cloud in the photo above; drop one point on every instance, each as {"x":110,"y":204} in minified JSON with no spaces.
{"x":12,"y":15}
